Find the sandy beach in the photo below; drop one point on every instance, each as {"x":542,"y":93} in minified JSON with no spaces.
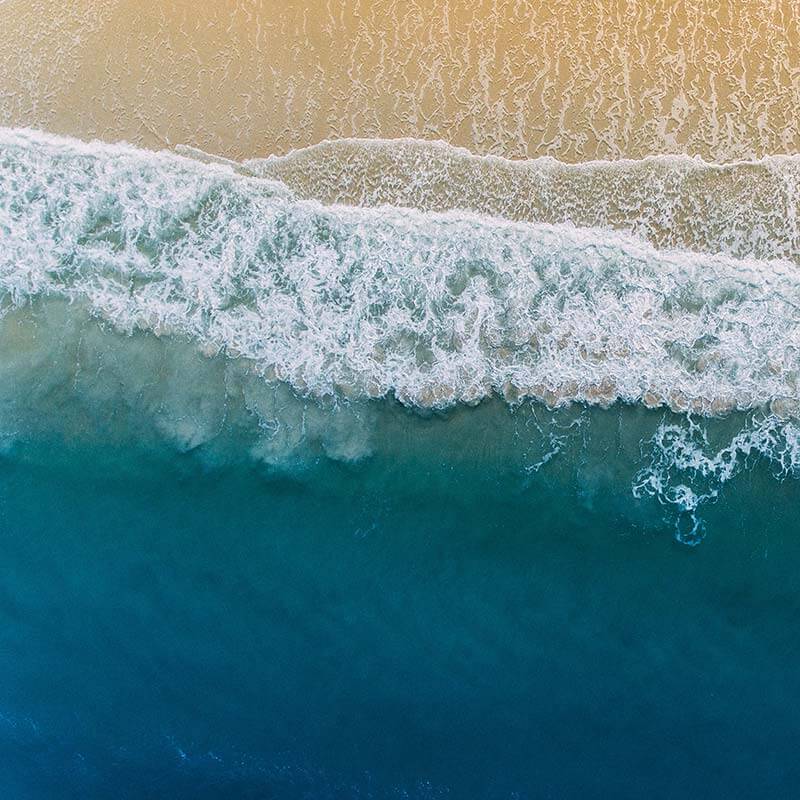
{"x":521,"y":79}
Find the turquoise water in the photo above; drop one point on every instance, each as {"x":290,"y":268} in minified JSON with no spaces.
{"x":173,"y":633}
{"x":302,"y":500}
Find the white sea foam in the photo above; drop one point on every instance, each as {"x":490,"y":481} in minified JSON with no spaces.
{"x":434,"y":308}
{"x":687,"y":471}
{"x":743,"y":208}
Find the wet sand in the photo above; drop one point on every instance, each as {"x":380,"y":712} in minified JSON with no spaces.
{"x":576,"y":81}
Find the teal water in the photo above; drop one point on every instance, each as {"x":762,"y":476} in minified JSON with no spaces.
{"x":335,"y":501}
{"x":180,"y":634}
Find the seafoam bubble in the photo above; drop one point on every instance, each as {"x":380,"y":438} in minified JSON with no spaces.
{"x":687,"y":470}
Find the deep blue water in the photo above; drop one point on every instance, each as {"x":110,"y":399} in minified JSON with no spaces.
{"x":168,"y":631}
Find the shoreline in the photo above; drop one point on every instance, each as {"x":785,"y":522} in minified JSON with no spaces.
{"x":523,"y":82}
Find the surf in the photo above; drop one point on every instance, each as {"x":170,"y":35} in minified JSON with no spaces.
{"x":231,"y":313}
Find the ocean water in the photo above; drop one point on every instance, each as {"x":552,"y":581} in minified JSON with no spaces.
{"x":382,"y":470}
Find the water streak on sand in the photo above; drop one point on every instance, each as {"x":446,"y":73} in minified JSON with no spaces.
{"x":743,"y":209}
{"x":520,"y":78}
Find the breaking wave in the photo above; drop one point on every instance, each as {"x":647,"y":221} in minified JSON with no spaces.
{"x":434,"y":308}
{"x":199,"y":295}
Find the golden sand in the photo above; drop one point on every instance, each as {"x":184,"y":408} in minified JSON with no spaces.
{"x":519,"y":78}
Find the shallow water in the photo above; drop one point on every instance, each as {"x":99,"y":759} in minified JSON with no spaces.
{"x":522,"y":78}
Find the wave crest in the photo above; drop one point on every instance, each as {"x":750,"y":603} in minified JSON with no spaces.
{"x":434,"y":308}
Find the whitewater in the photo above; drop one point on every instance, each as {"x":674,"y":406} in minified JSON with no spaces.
{"x":208,"y":290}
{"x":436,"y":308}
